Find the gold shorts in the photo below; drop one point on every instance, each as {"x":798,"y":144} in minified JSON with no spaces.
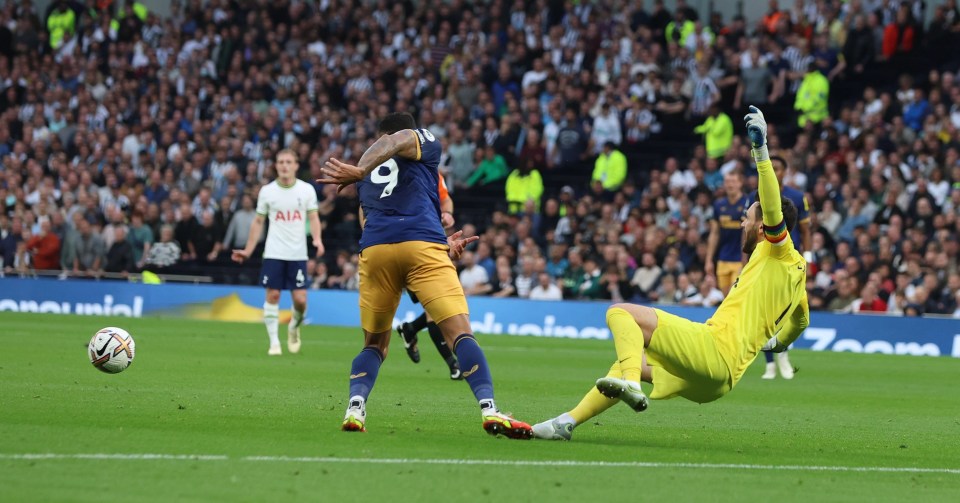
{"x":727,"y":273}
{"x":422,"y":268}
{"x":686,"y":361}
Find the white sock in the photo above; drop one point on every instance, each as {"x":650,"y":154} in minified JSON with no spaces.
{"x":566,"y":418}
{"x":487,"y":405}
{"x":271,"y":318}
{"x":297,"y":317}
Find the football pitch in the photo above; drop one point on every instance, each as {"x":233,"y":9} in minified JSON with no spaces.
{"x":203,"y":414}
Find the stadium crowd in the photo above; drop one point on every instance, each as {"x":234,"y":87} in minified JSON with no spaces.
{"x":600,"y":132}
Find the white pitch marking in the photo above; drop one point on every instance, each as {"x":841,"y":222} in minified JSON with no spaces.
{"x":130,"y":457}
{"x":485,"y":462}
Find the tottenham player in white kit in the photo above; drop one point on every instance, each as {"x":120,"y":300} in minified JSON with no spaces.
{"x":286,"y":201}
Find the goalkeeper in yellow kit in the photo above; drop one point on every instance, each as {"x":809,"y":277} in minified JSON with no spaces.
{"x":766,"y":310}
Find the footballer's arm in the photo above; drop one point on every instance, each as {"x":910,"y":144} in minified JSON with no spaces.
{"x":713,"y":240}
{"x":403,"y":143}
{"x":256,"y":227}
{"x":315,"y":231}
{"x":794,"y":325}
{"x":768,"y":187}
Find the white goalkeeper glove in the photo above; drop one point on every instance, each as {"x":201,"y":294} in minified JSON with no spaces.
{"x":774,"y":345}
{"x":757,"y":132}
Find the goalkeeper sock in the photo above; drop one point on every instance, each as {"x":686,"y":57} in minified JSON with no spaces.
{"x":593,"y":403}
{"x":441,"y":344}
{"x":473,"y":363}
{"x":271,"y":318}
{"x":363,"y":372}
{"x":628,"y":339}
{"x":297,"y":317}
{"x":419,"y":323}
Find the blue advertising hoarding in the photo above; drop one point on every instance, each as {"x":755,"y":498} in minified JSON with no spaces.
{"x":580,"y":320}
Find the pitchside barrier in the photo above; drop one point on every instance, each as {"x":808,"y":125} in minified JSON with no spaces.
{"x":578,"y":320}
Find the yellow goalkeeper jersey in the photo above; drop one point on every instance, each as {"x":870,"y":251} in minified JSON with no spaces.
{"x":769,"y":298}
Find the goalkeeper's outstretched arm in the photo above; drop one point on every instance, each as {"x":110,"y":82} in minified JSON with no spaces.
{"x":768,"y":187}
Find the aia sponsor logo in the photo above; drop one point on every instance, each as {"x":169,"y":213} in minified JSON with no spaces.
{"x":288,"y":216}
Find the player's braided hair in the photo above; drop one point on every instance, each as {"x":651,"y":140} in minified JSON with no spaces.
{"x":789,"y":213}
{"x":397,"y":121}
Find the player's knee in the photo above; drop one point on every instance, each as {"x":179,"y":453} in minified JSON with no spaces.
{"x":617,"y":308}
{"x":299,"y":301}
{"x":273,"y":296}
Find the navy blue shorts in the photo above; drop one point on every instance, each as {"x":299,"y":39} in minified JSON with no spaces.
{"x":283,"y":274}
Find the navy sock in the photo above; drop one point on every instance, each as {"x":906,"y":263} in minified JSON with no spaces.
{"x":419,"y":322}
{"x":769,"y":356}
{"x":363,"y":373}
{"x":474,"y":366}
{"x":440,"y":343}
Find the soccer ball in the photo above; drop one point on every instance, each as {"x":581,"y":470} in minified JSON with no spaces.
{"x":111,"y":350}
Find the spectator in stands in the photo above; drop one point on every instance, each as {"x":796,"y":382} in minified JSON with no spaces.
{"x":61,"y":23}
{"x":614,"y":284}
{"x":503,"y":286}
{"x":44,"y":249}
{"x":10,"y":234}
{"x":546,"y":289}
{"x":717,"y":131}
{"x":572,"y":141}
{"x":164,"y":254}
{"x":610,"y":168}
{"x":316,"y":273}
{"x":869,"y":302}
{"x":239,"y":226}
{"x":187,"y":227}
{"x":473,"y":278}
{"x":206,"y":239}
{"x":493,"y":168}
{"x":574,"y":275}
{"x":140,"y":237}
{"x":647,"y":277}
{"x":526,"y":277}
{"x":666,"y":292}
{"x":348,"y":278}
{"x":591,"y":286}
{"x":606,"y":128}
{"x":115,"y":220}
{"x":846,"y":287}
{"x":524,"y":185}
{"x":120,"y":257}
{"x":85,"y":253}
{"x":708,"y":295}
{"x":899,"y":36}
{"x":813,"y":97}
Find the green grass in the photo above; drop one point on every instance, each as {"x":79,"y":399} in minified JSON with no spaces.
{"x":208,"y":388}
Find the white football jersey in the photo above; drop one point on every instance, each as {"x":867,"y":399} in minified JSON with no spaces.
{"x":286,"y":208}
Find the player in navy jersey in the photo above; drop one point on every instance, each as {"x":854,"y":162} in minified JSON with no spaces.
{"x":802,"y":240}
{"x":408,"y":330}
{"x":726,"y":235}
{"x":403,"y":245}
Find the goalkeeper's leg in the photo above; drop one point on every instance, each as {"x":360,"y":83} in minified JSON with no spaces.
{"x":592,"y":404}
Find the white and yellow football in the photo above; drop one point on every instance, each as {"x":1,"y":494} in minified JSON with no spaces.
{"x":111,"y":350}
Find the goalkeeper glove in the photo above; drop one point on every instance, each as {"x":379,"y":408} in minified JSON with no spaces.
{"x":774,"y":345}
{"x":757,"y":132}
